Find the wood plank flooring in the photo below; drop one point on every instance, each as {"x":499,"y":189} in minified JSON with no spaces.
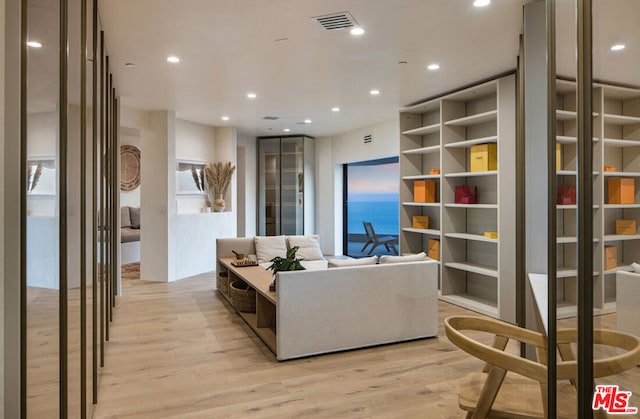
{"x":178,"y":351}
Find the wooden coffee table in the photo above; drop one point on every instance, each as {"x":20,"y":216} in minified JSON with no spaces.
{"x":263,"y":321}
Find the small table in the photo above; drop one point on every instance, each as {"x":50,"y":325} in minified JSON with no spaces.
{"x":263,"y":321}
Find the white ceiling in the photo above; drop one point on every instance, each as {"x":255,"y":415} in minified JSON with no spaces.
{"x":229,"y":48}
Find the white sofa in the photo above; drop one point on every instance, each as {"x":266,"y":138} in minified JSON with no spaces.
{"x":627,"y":297}
{"x":334,"y":309}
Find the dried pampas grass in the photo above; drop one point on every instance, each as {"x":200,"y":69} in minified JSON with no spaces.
{"x":218,"y":177}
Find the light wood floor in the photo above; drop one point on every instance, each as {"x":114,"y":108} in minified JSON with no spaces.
{"x":178,"y":351}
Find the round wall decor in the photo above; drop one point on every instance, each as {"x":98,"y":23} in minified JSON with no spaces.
{"x":129,"y":167}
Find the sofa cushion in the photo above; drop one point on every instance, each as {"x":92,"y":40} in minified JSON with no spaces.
{"x":339,"y":263}
{"x":309,"y":247}
{"x":636,"y":267}
{"x":135,"y":215}
{"x":312,"y":265}
{"x":128,"y":235}
{"x":269,"y":247}
{"x":400,"y":259}
{"x":125,"y":218}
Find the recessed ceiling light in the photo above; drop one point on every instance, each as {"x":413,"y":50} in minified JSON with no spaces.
{"x":618,"y":47}
{"x":252,"y":95}
{"x":357,"y":31}
{"x":433,"y":67}
{"x":34,"y":44}
{"x":481,"y":3}
{"x":375,"y":92}
{"x":130,"y":65}
{"x":307,"y":121}
{"x":225,"y":118}
{"x":286,"y":130}
{"x":335,"y":109}
{"x":173,"y":59}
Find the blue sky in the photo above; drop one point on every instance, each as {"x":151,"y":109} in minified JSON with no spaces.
{"x":374,"y":183}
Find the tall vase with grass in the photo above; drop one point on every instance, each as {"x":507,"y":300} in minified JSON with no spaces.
{"x":218,"y":177}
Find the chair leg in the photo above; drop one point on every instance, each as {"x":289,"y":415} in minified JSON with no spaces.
{"x":365,"y":245}
{"x":489,"y":392}
{"x":373,"y":248}
{"x":395,"y":250}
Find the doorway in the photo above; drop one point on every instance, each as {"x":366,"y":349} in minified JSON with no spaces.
{"x":371,"y":194}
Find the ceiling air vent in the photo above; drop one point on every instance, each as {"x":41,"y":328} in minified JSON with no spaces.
{"x":336,"y":21}
{"x":270,"y":118}
{"x":368,"y":139}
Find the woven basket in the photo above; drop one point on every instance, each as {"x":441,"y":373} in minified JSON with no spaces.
{"x":243,"y":297}
{"x":222,"y":282}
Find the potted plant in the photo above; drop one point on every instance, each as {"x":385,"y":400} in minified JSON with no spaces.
{"x":288,"y":263}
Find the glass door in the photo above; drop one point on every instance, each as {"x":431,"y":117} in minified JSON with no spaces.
{"x":371,"y":207}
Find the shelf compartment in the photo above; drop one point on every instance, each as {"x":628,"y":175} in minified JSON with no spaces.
{"x":573,"y":173}
{"x":421,"y":204}
{"x":472,"y":142}
{"x":564,"y":139}
{"x":621,"y":206}
{"x":423,"y":150}
{"x":620,"y":237}
{"x":418,"y":177}
{"x":474,"y":119}
{"x":472,"y":302}
{"x":570,"y":273}
{"x":562,"y":115}
{"x":571,"y":239}
{"x":426,"y":231}
{"x":617,"y":142}
{"x":474,"y":268}
{"x":610,"y":118}
{"x":621,"y":268}
{"x":622,"y":174}
{"x":468,"y":236}
{"x":472,"y":174}
{"x":573,"y":207}
{"x":479,"y":206}
{"x":429,"y":129}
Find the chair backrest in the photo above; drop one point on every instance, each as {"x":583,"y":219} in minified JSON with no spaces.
{"x":628,"y":358}
{"x":368,"y":228}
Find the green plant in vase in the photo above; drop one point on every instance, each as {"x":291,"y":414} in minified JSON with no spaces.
{"x":288,"y":263}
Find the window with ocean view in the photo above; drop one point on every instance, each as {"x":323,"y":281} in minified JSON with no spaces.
{"x":371,"y":195}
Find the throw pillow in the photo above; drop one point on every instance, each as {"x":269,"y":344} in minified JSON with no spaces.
{"x":339,"y":263}
{"x":309,"y":247}
{"x":125,"y":218}
{"x":135,"y":215}
{"x":400,"y":259}
{"x":635,"y":267}
{"x":269,"y":247}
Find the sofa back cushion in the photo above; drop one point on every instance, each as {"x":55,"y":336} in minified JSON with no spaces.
{"x":268,"y":247}
{"x":400,"y":259}
{"x":135,"y":216}
{"x":339,"y":263}
{"x":309,"y":247}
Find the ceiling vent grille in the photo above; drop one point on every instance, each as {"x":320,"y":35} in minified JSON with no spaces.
{"x":336,"y":21}
{"x":270,"y":118}
{"x":368,"y":139}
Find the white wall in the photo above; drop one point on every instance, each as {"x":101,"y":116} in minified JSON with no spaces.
{"x":247,"y":178}
{"x":331,"y":153}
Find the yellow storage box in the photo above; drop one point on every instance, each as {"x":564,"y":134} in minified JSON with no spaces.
{"x":484,"y":157}
{"x":626,"y":227}
{"x":433,"y":249}
{"x":610,"y":257}
{"x":420,"y":221}
{"x":424,"y":191}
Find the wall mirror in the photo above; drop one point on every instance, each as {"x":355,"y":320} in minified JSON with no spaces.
{"x":190,"y":177}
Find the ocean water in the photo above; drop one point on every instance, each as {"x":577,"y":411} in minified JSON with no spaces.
{"x":383,"y":215}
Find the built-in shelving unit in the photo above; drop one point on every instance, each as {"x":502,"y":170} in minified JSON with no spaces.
{"x":477,"y":272}
{"x":620,"y":131}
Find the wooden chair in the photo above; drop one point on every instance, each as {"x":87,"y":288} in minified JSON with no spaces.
{"x":389,"y":242}
{"x":522,"y":393}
